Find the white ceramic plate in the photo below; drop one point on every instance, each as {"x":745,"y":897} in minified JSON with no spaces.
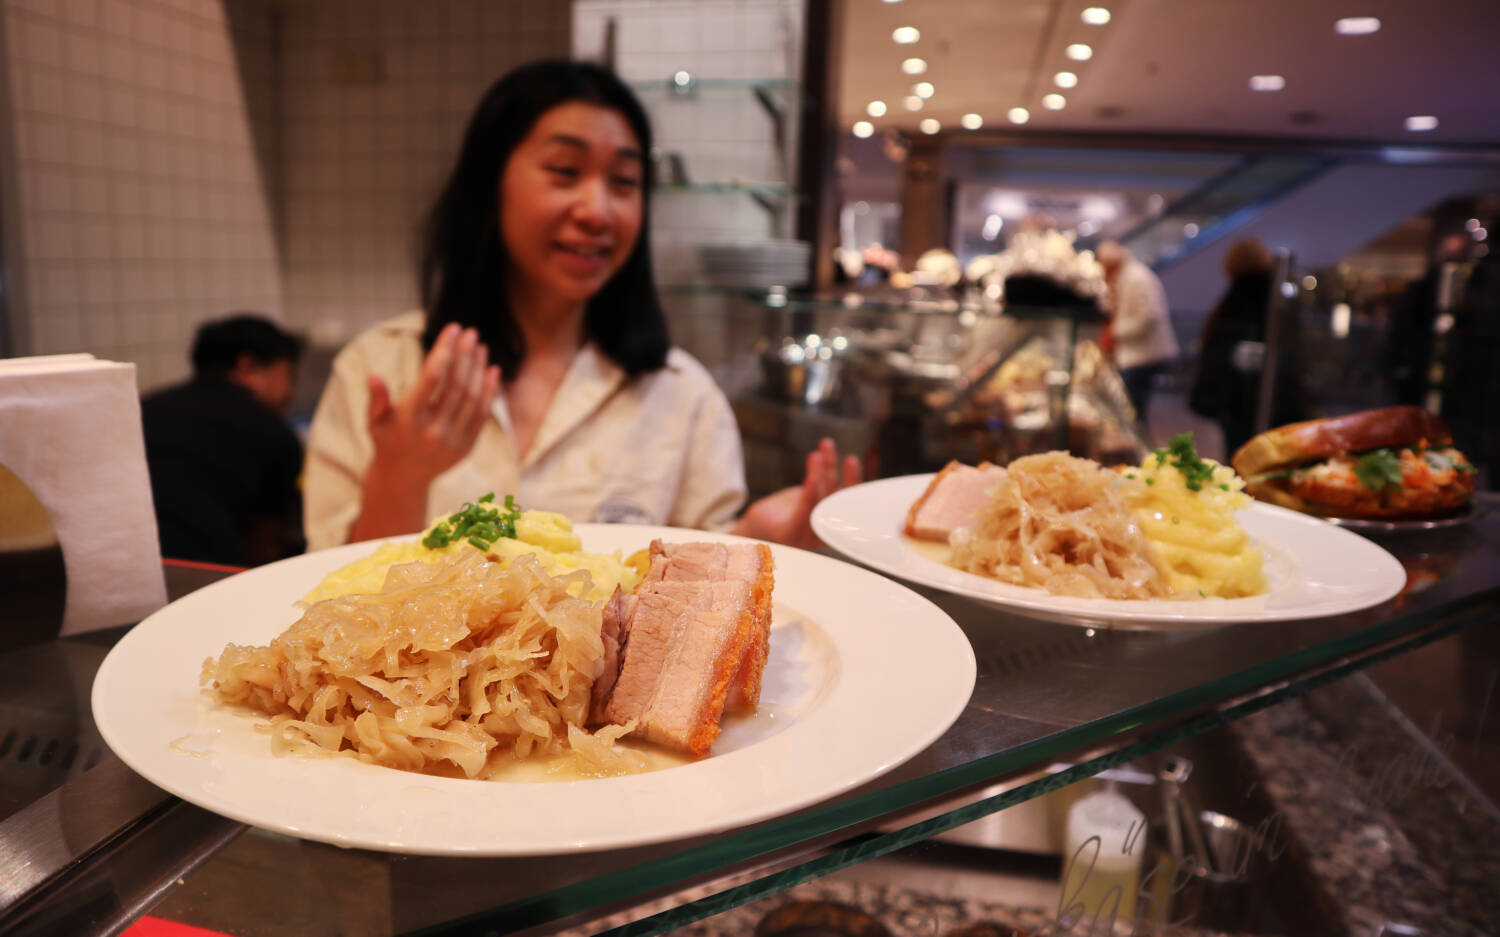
{"x":1314,"y":568}
{"x":828,"y":721}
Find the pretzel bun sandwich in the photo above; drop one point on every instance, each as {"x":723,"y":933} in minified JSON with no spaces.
{"x":1393,"y":463}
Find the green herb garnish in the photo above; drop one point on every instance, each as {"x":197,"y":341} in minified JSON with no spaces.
{"x":481,"y":524}
{"x":1181,"y":453}
{"x":1379,"y":469}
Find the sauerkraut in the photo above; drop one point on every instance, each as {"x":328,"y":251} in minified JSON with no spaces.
{"x":452,"y":668}
{"x":1060,"y":523}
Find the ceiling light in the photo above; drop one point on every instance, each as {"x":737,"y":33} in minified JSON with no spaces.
{"x":930,"y":125}
{"x":1065,"y":80}
{"x":875,"y":108}
{"x":1479,"y":234}
{"x":1309,"y":282}
{"x":1018,"y":115}
{"x":923,"y":89}
{"x":1087,"y":228}
{"x":906,"y":35}
{"x":972,"y":121}
{"x":863,"y":128}
{"x":1423,"y":122}
{"x":913,"y":103}
{"x":1472,"y":224}
{"x":992,"y":226}
{"x":1357,"y":25}
{"x":1054,"y":102}
{"x":914,"y":66}
{"x":1267,"y":82}
{"x":1095,"y":16}
{"x":1079,"y":52}
{"x":1190,"y":230}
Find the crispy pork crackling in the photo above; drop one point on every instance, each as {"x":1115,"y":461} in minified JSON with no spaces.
{"x":688,"y":645}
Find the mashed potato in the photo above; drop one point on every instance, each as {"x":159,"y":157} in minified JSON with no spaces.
{"x":547,"y":536}
{"x":1185,"y":505}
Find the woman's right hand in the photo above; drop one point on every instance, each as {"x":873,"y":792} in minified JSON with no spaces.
{"x":424,"y":433}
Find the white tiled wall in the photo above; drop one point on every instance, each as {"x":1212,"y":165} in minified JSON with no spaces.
{"x":375,"y":98}
{"x":179,"y":159}
{"x":140,"y":206}
{"x":724,"y":135}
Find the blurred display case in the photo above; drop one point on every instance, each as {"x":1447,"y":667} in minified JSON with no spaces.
{"x":913,"y":379}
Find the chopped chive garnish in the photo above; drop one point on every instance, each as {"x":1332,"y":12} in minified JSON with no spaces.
{"x":480,"y":524}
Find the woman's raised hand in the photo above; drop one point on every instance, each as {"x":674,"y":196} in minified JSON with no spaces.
{"x":786,"y":515}
{"x":434,"y":425}
{"x":424,"y":433}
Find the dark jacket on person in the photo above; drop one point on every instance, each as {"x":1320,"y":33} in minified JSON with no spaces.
{"x":224,"y":472}
{"x":1224,"y":388}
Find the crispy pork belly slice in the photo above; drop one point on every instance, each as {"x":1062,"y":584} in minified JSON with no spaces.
{"x":748,"y":563}
{"x":680,"y":649}
{"x":951,"y":500}
{"x":678,"y":665}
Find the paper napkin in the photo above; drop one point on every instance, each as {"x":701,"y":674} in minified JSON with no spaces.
{"x":70,"y":428}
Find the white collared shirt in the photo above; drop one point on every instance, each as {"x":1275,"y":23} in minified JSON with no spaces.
{"x":661,"y":449}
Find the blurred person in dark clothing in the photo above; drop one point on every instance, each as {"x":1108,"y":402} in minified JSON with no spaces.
{"x":1410,"y":350}
{"x":1232,"y":352}
{"x":224,"y":462}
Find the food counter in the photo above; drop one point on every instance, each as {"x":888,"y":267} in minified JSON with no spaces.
{"x":86,"y":846}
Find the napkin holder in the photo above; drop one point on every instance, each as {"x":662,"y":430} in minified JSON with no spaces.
{"x":70,"y":436}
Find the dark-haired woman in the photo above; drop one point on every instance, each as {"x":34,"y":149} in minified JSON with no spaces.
{"x":542,"y":365}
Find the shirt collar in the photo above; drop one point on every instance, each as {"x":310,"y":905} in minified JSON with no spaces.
{"x":591,"y":379}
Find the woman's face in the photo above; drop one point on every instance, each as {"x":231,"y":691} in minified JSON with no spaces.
{"x":571,"y":201}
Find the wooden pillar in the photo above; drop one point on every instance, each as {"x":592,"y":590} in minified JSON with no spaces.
{"x":924,"y":200}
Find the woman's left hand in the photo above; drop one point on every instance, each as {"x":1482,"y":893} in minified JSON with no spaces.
{"x":785,"y":516}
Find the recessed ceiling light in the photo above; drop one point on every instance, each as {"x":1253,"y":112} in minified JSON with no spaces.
{"x":913,"y":103}
{"x":1357,"y":25}
{"x":1079,"y":52}
{"x":923,"y":89}
{"x":930,"y":125}
{"x":1472,"y":224}
{"x":906,"y":35}
{"x":1190,"y":230}
{"x":863,"y":128}
{"x":972,"y":121}
{"x":1054,"y":102}
{"x":1422,"y":122}
{"x":1095,"y":16}
{"x":1018,"y":115}
{"x":875,"y":108}
{"x":1309,"y":282}
{"x":1267,"y":82}
{"x":1065,"y":80}
{"x":914,"y":66}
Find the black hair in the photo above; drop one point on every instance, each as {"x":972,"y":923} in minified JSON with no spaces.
{"x":220,"y":343}
{"x":463,"y":265}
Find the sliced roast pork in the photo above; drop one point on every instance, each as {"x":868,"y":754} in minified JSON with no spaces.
{"x":689,"y":643}
{"x":951,"y":500}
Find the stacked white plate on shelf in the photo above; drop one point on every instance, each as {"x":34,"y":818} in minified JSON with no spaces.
{"x":756,"y":263}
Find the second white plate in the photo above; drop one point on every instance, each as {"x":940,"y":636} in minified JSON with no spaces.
{"x":1315,"y":569}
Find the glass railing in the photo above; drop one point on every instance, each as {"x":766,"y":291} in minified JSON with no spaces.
{"x":1219,"y":206}
{"x":1045,"y":693}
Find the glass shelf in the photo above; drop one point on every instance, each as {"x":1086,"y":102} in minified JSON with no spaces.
{"x":1046,"y":693}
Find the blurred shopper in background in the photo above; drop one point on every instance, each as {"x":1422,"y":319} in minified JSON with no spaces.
{"x":1410,"y":351}
{"x":224,"y":461}
{"x":1140,"y":327}
{"x":1232,"y":351}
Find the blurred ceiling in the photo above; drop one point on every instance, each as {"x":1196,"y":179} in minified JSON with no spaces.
{"x":1184,"y":66}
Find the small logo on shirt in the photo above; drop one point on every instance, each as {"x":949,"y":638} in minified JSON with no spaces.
{"x":621,"y":511}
